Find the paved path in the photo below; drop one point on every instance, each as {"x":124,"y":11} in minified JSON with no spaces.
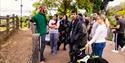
{"x":18,"y":49}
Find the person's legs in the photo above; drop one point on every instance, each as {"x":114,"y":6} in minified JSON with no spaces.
{"x":55,"y":43}
{"x":100,"y":49}
{"x":121,"y":38}
{"x":51,"y":41}
{"x":71,"y":52}
{"x":93,"y":48}
{"x":42,"y":47}
{"x":59,"y":43}
{"x":64,"y":48}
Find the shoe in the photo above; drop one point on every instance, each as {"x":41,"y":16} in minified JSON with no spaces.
{"x":123,"y":49}
{"x":42,"y":62}
{"x":115,"y":51}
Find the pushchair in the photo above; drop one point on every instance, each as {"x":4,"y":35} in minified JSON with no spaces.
{"x":87,"y":58}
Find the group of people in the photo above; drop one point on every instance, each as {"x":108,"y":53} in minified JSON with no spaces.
{"x":80,"y":32}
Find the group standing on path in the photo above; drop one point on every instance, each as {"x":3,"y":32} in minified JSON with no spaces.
{"x":75,"y":33}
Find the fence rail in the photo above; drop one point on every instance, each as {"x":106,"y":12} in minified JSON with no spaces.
{"x":8,"y":25}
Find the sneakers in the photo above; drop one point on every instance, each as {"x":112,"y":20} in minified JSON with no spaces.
{"x":115,"y":51}
{"x":122,"y":49}
{"x":42,"y":62}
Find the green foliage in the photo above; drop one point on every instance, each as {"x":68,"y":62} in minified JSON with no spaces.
{"x":120,"y":9}
{"x":86,"y":4}
{"x":36,"y":4}
{"x":24,"y":21}
{"x":97,"y":5}
{"x":112,"y":20}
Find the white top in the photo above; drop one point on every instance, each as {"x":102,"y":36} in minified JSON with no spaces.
{"x":100,"y":34}
{"x":53,"y":28}
{"x":94,"y":27}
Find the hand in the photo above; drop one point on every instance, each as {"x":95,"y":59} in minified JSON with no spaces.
{"x":87,"y":45}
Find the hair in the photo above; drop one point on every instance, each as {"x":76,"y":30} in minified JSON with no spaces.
{"x":41,"y":8}
{"x":74,"y":11}
{"x":66,"y":17}
{"x":105,"y":19}
{"x":56,"y":19}
{"x":80,"y":14}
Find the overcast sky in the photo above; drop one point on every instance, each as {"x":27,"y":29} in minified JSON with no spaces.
{"x":13,"y":6}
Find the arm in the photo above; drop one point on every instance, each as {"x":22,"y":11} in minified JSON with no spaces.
{"x":50,"y":24}
{"x":82,"y":31}
{"x":96,"y":35}
{"x":57,"y":25}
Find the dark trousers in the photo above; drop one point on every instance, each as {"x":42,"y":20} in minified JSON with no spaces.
{"x":97,"y":48}
{"x":62,"y":39}
{"x":120,"y":40}
{"x":42,"y":47}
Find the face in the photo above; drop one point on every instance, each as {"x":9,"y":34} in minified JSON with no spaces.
{"x":54,"y":17}
{"x":43,"y":9}
{"x":73,"y":16}
{"x":64,"y":17}
{"x":98,"y":20}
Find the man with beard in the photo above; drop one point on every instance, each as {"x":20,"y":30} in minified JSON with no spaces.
{"x":41,"y":23}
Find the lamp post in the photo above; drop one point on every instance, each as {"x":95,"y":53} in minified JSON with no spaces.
{"x":21,"y":5}
{"x":21,"y":13}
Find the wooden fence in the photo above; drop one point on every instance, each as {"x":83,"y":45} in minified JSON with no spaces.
{"x":8,"y":25}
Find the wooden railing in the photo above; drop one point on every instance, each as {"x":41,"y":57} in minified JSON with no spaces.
{"x":8,"y":25}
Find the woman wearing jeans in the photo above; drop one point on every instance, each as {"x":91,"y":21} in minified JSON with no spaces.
{"x":98,"y":41}
{"x":53,"y":25}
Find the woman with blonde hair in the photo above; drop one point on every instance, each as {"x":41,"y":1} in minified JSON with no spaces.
{"x":98,"y":41}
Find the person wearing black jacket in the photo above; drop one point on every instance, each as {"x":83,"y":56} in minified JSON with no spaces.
{"x":63,"y":32}
{"x":78,"y":37}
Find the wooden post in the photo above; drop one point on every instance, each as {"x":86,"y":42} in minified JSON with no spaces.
{"x":7,"y":25}
{"x":35,"y":44}
{"x":13,"y":20}
{"x":35,"y":48}
{"x":0,"y":19}
{"x":17,"y":22}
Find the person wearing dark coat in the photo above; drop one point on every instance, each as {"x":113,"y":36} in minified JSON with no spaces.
{"x":78,"y":36}
{"x":63,"y":32}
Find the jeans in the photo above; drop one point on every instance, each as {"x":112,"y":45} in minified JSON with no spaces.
{"x":42,"y":47}
{"x":97,"y":48}
{"x":53,"y":42}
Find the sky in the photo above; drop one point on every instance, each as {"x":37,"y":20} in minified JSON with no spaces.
{"x":13,"y":7}
{"x":9,"y":7}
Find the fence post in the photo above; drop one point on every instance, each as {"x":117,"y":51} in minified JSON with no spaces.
{"x":0,"y":19}
{"x":7,"y":25}
{"x":17,"y":22}
{"x":13,"y":20}
{"x":35,"y":44}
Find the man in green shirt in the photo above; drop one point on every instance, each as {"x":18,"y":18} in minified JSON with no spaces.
{"x":40,"y":20}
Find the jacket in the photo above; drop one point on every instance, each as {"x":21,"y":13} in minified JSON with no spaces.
{"x":78,"y":34}
{"x":41,"y":22}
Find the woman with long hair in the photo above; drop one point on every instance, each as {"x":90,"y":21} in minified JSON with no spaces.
{"x":98,"y":41}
